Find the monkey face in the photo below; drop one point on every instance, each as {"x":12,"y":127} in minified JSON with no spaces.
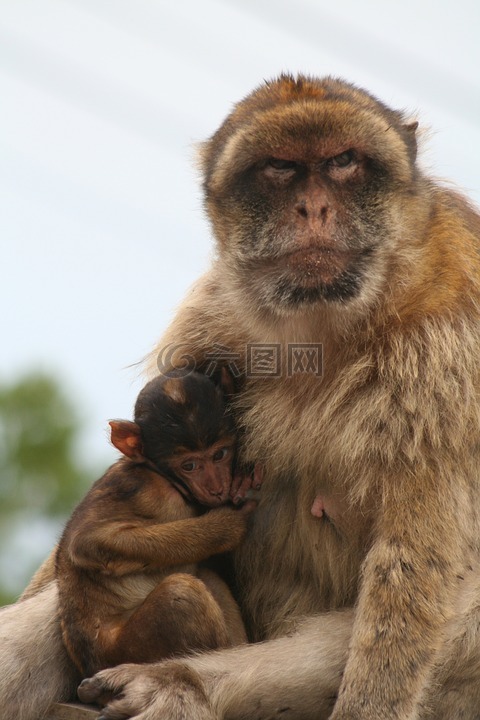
{"x":318,"y":236}
{"x":304,"y":184}
{"x":204,"y":475}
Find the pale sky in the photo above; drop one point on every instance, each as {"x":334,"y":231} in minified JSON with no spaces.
{"x":101,"y":103}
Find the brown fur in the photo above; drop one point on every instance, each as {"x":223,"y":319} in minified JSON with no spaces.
{"x":392,"y":427}
{"x":129,"y":585}
{"x":126,"y":567}
{"x":390,"y":431}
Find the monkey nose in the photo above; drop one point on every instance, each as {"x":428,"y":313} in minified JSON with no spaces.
{"x":301,"y":209}
{"x":312,"y":212}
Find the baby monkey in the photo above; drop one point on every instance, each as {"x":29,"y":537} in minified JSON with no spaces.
{"x":131,"y":584}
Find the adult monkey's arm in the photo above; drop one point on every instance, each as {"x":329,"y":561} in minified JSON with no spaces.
{"x":295,"y":677}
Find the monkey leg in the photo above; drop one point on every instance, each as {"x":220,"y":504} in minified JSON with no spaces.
{"x":301,"y":672}
{"x":178,"y":616}
{"x":294,"y":677}
{"x":35,"y":670}
{"x":226,"y":602}
{"x":43,"y":577}
{"x":454,"y":691}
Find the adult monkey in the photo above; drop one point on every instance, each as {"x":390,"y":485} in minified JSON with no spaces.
{"x":328,"y":233}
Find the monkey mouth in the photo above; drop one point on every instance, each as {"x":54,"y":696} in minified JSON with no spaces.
{"x":311,"y":265}
{"x":317,"y":274}
{"x":199,"y":495}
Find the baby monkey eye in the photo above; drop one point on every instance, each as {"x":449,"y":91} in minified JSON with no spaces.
{"x":220,"y":454}
{"x":189,"y":466}
{"x":342,"y":160}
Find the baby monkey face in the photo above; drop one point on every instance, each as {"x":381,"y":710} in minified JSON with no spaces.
{"x":204,"y":475}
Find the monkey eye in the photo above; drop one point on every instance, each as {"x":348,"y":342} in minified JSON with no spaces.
{"x":279,"y":171}
{"x":220,"y":454}
{"x":279,"y":164}
{"x":189,"y":466}
{"x":342,"y":160}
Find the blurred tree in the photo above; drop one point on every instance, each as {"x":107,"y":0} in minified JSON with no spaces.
{"x":41,"y":472}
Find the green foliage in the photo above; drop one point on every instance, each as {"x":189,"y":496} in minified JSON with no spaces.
{"x":41,"y":472}
{"x":38,"y":430}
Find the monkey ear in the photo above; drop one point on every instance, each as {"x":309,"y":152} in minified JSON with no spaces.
{"x":411,"y":139}
{"x":412,"y":126}
{"x":126,"y":437}
{"x":226,"y":381}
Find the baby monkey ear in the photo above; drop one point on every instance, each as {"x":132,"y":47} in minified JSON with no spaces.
{"x":226,"y":382}
{"x":125,"y":436}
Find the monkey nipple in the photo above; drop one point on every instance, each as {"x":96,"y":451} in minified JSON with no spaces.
{"x":318,"y":506}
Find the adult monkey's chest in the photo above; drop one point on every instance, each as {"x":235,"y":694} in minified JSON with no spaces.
{"x":298,"y":426}
{"x":293,"y":564}
{"x":295,"y":561}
